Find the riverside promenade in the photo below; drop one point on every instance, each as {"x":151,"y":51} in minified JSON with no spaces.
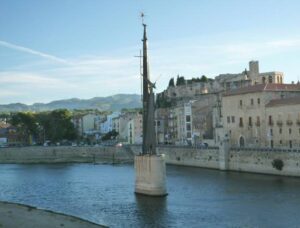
{"x":23,"y":216}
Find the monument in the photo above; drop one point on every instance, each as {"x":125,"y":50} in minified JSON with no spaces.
{"x":150,"y":168}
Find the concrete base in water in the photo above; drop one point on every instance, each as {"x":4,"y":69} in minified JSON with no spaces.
{"x":150,"y":171}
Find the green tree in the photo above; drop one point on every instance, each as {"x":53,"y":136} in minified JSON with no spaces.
{"x":180,"y":80}
{"x":171,"y":82}
{"x":203,"y":79}
{"x":60,"y":126}
{"x":110,"y":135}
{"x":26,"y":125}
{"x":56,"y":125}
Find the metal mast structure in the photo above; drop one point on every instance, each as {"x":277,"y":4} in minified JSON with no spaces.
{"x":149,"y":142}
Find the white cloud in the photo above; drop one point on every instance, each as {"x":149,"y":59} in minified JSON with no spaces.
{"x":33,"y":52}
{"x":88,"y":76}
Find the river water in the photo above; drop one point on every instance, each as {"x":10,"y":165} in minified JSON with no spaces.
{"x":197,"y":197}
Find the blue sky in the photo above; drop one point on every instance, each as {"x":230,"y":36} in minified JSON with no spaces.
{"x":61,"y":49}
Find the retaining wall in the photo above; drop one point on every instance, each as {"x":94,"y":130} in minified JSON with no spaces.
{"x":64,"y":154}
{"x":246,"y":160}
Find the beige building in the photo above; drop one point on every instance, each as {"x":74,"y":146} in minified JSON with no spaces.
{"x":284,"y":118}
{"x":249,"y":115}
{"x":135,"y":129}
{"x":129,"y":126}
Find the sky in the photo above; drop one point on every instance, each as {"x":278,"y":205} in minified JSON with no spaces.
{"x":60,"y":49}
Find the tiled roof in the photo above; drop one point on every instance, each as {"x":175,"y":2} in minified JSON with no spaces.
{"x":264,"y":87}
{"x":4,"y":125}
{"x":284,"y":101}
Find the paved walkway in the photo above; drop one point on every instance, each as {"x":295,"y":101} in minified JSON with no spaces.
{"x":22,"y":216}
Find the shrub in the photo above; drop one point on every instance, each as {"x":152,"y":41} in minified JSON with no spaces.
{"x":278,"y":164}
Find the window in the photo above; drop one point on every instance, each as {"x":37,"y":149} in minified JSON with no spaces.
{"x":258,"y":101}
{"x":280,"y":142}
{"x":241,"y":122}
{"x":252,"y":101}
{"x":270,"y":79}
{"x":188,"y":118}
{"x":270,"y":120}
{"x":290,"y":130}
{"x":232,"y":119}
{"x":291,"y":144}
{"x":228,"y":119}
{"x":241,"y":103}
{"x":188,"y":127}
{"x":188,"y":135}
{"x":271,"y":132}
{"x":250,"y":121}
{"x":263,"y":80}
{"x":158,"y":123}
{"x":257,"y":121}
{"x":280,"y":130}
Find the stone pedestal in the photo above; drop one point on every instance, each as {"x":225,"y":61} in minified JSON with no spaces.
{"x":150,"y":171}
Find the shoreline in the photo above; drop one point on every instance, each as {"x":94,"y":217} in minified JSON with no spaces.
{"x":22,"y":215}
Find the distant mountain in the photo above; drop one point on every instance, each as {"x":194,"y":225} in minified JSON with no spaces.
{"x":112,"y":103}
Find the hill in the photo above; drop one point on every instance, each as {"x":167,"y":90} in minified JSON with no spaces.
{"x":110,"y":103}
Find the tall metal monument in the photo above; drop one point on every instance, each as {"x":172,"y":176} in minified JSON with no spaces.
{"x":149,"y":139}
{"x":150,"y":168}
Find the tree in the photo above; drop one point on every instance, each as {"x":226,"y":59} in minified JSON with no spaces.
{"x":56,"y":125}
{"x":203,"y":78}
{"x":110,"y":135}
{"x":180,"y":80}
{"x":60,"y":126}
{"x":26,"y":125}
{"x":171,"y":82}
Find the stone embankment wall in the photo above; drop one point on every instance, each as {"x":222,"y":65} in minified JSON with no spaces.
{"x":244,"y":160}
{"x":65,"y":154}
{"x":262,"y":160}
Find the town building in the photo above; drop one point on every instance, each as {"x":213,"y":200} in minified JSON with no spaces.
{"x":135,"y":129}
{"x":262,"y":115}
{"x":186,"y":123}
{"x":107,"y":125}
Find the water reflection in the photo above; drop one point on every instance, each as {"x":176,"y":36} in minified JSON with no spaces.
{"x":151,"y":210}
{"x":197,"y":197}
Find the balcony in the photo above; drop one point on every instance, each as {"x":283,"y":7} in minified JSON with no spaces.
{"x":289,"y":122}
{"x":279,"y":123}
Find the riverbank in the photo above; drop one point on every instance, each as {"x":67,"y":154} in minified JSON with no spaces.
{"x":65,"y":154}
{"x":254,"y":160}
{"x":23,"y":216}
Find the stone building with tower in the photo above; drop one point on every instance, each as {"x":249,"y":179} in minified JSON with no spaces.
{"x":248,"y":77}
{"x":213,"y":101}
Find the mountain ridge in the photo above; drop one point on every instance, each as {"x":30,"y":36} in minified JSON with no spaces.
{"x":110,"y":103}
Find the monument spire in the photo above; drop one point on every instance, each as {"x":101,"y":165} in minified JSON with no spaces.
{"x":149,"y":138}
{"x":150,"y":168}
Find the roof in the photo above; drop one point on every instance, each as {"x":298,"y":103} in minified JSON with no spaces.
{"x":270,"y":87}
{"x":284,"y":101}
{"x":4,"y":125}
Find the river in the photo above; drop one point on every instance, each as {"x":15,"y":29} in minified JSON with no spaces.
{"x":197,"y":197}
